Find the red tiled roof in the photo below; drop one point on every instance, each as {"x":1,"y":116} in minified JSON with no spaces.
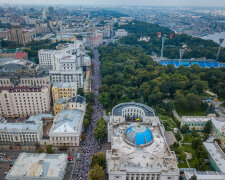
{"x":20,"y":55}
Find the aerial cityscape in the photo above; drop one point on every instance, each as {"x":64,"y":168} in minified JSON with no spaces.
{"x":99,"y":90}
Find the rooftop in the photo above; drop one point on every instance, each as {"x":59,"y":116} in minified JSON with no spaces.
{"x":68,"y":121}
{"x":78,"y":99}
{"x":138,"y":135}
{"x":21,"y":89}
{"x":117,"y":110}
{"x":217,"y":155}
{"x":40,"y":166}
{"x":64,"y":85}
{"x":202,"y":175}
{"x":195,"y":118}
{"x":220,"y":125}
{"x":152,"y":158}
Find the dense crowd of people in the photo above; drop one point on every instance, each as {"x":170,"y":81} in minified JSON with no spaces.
{"x":91,"y":145}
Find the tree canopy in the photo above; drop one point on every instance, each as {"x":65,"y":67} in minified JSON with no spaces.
{"x":96,"y":173}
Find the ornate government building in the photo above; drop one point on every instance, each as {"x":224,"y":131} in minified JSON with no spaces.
{"x":139,"y":150}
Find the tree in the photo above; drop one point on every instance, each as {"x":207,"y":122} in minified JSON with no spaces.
{"x":194,"y":132}
{"x":80,"y":91}
{"x":208,"y":127}
{"x":96,"y":173}
{"x":99,"y":159}
{"x":194,"y":177}
{"x":183,"y":156}
{"x":196,"y":143}
{"x":100,"y":131}
{"x":90,"y":97}
{"x":40,"y":150}
{"x":184,"y":129}
{"x":49,"y":149}
{"x":86,"y":123}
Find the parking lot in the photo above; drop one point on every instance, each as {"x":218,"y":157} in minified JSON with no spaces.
{"x":4,"y":167}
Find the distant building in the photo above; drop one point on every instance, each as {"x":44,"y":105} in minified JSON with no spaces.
{"x":216,"y":156}
{"x":63,"y":90}
{"x":197,"y":122}
{"x":66,"y":64}
{"x":218,"y":129}
{"x":138,"y":150}
{"x":120,"y":33}
{"x":23,"y":101}
{"x":30,"y":166}
{"x":76,"y":102}
{"x":20,"y":35}
{"x":22,"y":73}
{"x":67,"y":128}
{"x":204,"y":175}
{"x":159,"y":34}
{"x":145,"y":38}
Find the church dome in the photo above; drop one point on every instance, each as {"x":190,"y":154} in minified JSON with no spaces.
{"x":138,"y":135}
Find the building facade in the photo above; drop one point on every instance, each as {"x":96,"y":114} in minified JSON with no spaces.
{"x":20,"y":35}
{"x":23,"y":101}
{"x":216,"y":156}
{"x":75,"y":102}
{"x":67,"y":128}
{"x":120,"y":33}
{"x":197,"y":122}
{"x":22,"y":134}
{"x":204,"y":175}
{"x":67,"y":63}
{"x":63,"y":91}
{"x":138,"y":149}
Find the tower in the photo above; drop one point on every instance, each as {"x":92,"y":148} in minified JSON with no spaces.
{"x":163,"y":42}
{"x":218,"y":53}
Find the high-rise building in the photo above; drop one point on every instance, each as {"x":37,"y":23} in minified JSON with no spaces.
{"x":66,"y":64}
{"x":20,"y":101}
{"x":20,"y":35}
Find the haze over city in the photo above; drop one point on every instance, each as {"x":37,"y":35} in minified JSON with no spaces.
{"x":199,"y":3}
{"x":112,"y":90}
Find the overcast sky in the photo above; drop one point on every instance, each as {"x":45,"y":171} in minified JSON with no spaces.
{"x":212,"y":3}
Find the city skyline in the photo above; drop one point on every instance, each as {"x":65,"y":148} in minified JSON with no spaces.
{"x":197,"y":3}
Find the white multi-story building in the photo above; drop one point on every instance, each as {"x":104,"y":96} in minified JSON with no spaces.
{"x":28,"y":133}
{"x":216,"y":156}
{"x":138,"y":150}
{"x":30,"y":166}
{"x":23,"y":101}
{"x":120,"y":33}
{"x":67,"y":128}
{"x":204,"y":175}
{"x":66,"y":64}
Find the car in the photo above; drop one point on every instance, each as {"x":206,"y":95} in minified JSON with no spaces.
{"x":78,"y":156}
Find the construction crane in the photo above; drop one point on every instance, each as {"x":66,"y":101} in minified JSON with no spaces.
{"x":220,"y":43}
{"x":162,"y":49}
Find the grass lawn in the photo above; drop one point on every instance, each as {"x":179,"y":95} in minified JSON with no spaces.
{"x":167,"y":119}
{"x":187,"y":138}
{"x":194,"y":160}
{"x":182,"y":112}
{"x":183,"y":165}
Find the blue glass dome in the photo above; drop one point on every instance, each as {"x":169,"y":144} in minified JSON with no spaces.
{"x":138,"y":135}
